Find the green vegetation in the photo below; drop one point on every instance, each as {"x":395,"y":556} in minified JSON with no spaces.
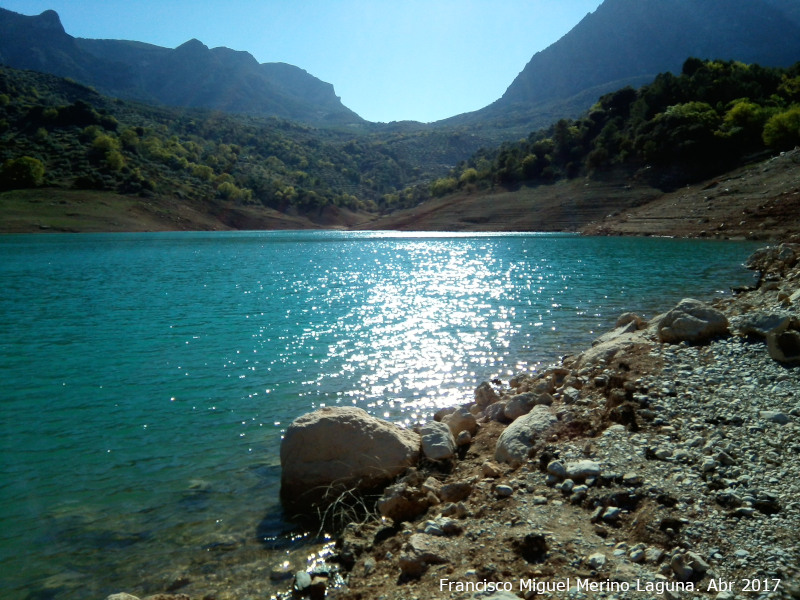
{"x":710,"y":118}
{"x":679,"y":128}
{"x":60,"y":134}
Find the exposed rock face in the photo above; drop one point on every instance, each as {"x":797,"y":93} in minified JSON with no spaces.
{"x":516,"y":442}
{"x":336,"y":448}
{"x":692,"y":321}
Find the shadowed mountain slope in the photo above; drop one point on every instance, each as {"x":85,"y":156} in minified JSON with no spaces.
{"x":190,"y":75}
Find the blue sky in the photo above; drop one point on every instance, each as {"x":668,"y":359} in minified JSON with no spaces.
{"x":389,"y":60}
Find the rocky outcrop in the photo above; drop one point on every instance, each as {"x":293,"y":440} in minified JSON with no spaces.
{"x":338,"y":448}
{"x":692,"y":321}
{"x":516,"y":442}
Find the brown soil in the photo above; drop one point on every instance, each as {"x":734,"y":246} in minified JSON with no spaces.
{"x":760,"y":201}
{"x":82,"y":211}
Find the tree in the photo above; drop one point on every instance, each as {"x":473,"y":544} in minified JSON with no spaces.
{"x":469,"y":175}
{"x":443,"y":186}
{"x":782,"y":131}
{"x":23,"y":172}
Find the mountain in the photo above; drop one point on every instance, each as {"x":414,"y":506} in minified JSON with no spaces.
{"x":191,"y":75}
{"x":628,"y":42}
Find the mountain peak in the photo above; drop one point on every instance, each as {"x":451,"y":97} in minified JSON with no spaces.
{"x":193,"y":45}
{"x":48,"y":21}
{"x":627,"y":41}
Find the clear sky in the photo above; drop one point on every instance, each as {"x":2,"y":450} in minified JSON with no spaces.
{"x":388,"y":60}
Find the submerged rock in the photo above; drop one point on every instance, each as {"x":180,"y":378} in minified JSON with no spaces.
{"x":336,"y":448}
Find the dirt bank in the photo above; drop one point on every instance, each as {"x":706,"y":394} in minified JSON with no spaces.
{"x":759,"y":201}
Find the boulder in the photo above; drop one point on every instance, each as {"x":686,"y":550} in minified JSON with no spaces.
{"x":519,"y":405}
{"x":773,"y":259}
{"x":461,"y":420}
{"x":455,"y":491}
{"x":420,"y":551}
{"x":614,"y":334}
{"x":761,"y":324}
{"x":485,"y":395}
{"x":784,"y":347}
{"x":464,"y":438}
{"x":582,"y":469}
{"x":401,"y":502}
{"x":629,"y":317}
{"x":692,"y":321}
{"x":336,"y":448}
{"x":438,"y":442}
{"x":443,"y":412}
{"x":516,"y":442}
{"x":543,"y":385}
{"x":496,"y":412}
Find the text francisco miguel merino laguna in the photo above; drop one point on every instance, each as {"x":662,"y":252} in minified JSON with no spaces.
{"x":659,"y":586}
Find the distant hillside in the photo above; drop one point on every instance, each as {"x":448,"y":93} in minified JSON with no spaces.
{"x":628,"y":42}
{"x":191,"y":75}
{"x":715,"y":116}
{"x":56,"y":133}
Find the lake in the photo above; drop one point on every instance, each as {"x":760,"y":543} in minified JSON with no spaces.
{"x":147,"y":378}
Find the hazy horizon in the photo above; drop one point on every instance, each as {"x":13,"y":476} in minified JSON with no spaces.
{"x":416,"y":60}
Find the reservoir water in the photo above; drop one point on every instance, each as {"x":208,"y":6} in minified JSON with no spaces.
{"x":147,"y":378}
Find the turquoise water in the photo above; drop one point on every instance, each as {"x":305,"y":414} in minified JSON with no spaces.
{"x":146,"y":378}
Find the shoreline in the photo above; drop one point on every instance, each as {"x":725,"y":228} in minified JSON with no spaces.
{"x":696,"y":485}
{"x":638,"y":414}
{"x":759,"y":201}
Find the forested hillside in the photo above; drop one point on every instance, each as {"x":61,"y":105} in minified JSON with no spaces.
{"x":55,"y":132}
{"x":678,"y":129}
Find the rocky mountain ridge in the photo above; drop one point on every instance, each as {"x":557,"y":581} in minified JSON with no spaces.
{"x":628,"y":42}
{"x":190,"y":75}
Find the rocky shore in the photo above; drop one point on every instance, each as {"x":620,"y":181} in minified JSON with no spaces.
{"x":662,"y":462}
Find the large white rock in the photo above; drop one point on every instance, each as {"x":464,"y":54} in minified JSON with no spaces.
{"x":337,"y":448}
{"x":692,"y":321}
{"x":516,"y":442}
